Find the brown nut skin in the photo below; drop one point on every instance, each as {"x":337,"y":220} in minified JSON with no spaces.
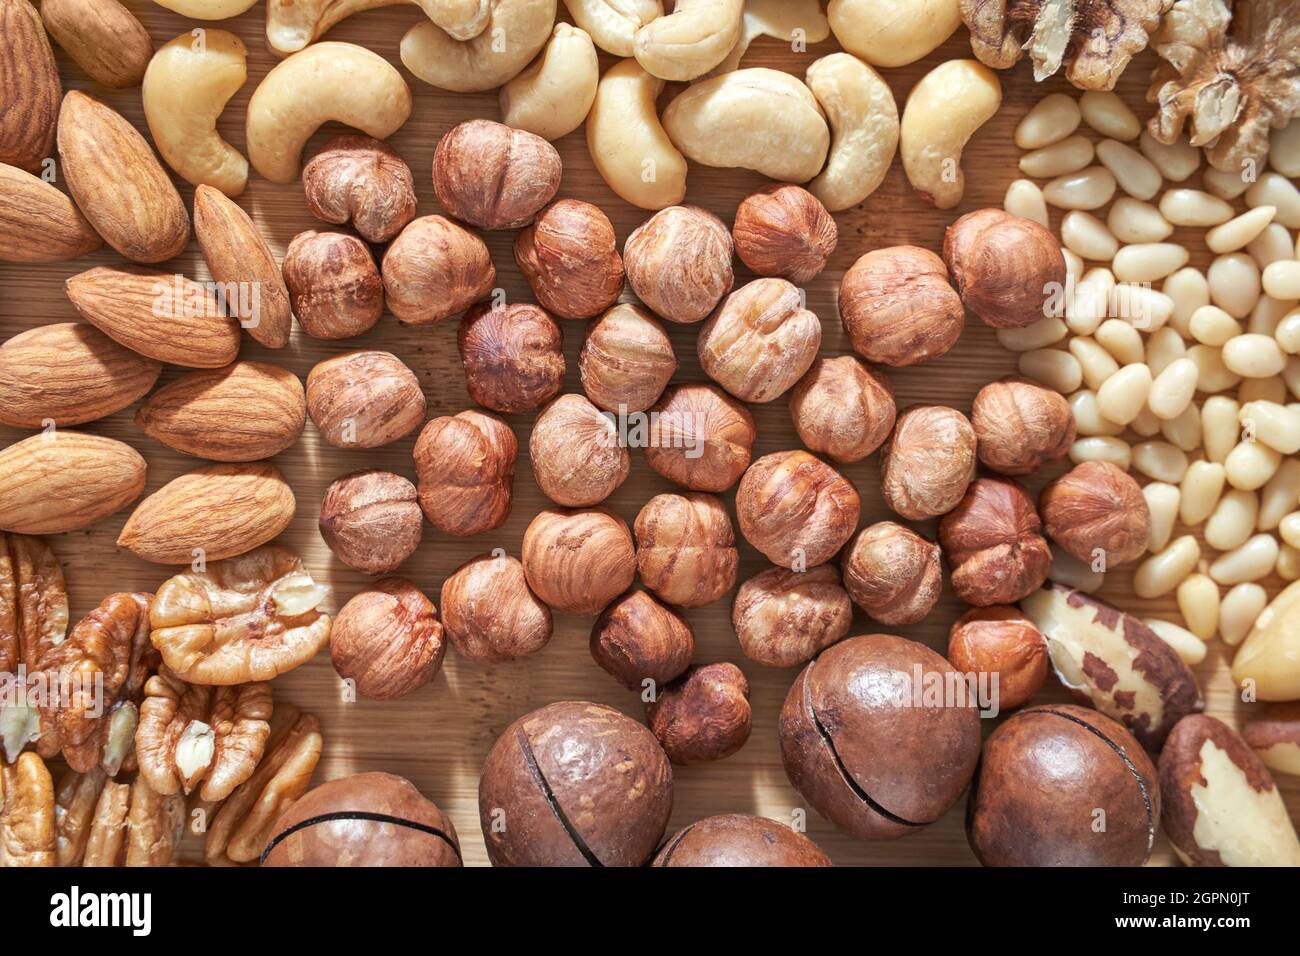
{"x":363,"y":181}
{"x":638,"y":639}
{"x":703,"y":438}
{"x":842,"y":409}
{"x":489,"y":614}
{"x":1275,"y":737}
{"x":364,"y":399}
{"x":1000,"y":640}
{"x":334,"y":284}
{"x":570,"y":258}
{"x":388,"y":640}
{"x":1045,"y":774}
{"x":1020,"y":425}
{"x":575,"y":784}
{"x":1008,"y":269}
{"x":784,"y":230}
{"x":796,"y":509}
{"x":993,"y":541}
{"x":738,"y":839}
{"x":893,"y":574}
{"x":685,"y":548}
{"x":578,"y":561}
{"x":928,"y":462}
{"x":703,"y":715}
{"x":513,"y":356}
{"x":371,"y":520}
{"x":678,"y":263}
{"x":626,"y":359}
{"x":435,"y":269}
{"x":786,"y":618}
{"x":367,"y":819}
{"x":898,"y":308}
{"x":575,"y":452}
{"x":494,"y":177}
{"x":466,"y":464}
{"x":1097,"y":507}
{"x":877,"y":766}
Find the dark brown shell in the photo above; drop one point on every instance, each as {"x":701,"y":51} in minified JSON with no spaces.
{"x":738,"y":839}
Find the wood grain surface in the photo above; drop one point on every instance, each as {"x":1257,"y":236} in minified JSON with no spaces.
{"x":439,"y":736}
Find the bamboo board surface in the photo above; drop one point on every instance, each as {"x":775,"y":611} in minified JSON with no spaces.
{"x":439,"y":736}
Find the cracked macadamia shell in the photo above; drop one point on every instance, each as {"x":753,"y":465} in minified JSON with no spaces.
{"x":796,"y":509}
{"x":785,"y":618}
{"x":738,"y":839}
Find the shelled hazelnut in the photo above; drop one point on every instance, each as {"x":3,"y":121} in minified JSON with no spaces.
{"x":898,"y":308}
{"x":570,"y":258}
{"x":513,"y":356}
{"x":842,"y":409}
{"x":364,"y":399}
{"x":578,"y":561}
{"x":466,"y":464}
{"x":435,"y":269}
{"x":1020,"y":425}
{"x":1008,"y":269}
{"x":626,"y":359}
{"x":371,"y":520}
{"x":387,"y":639}
{"x":738,"y":839}
{"x":678,"y":263}
{"x":638,"y":639}
{"x":783,"y":230}
{"x":363,"y":181}
{"x":334,"y":284}
{"x":492,"y":176}
{"x":701,"y":437}
{"x":784,"y":618}
{"x":489,"y":614}
{"x":928,"y":462}
{"x":703,"y":715}
{"x":796,"y":509}
{"x":685,"y":548}
{"x":1000,"y":640}
{"x":893,"y":574}
{"x":1097,"y":510}
{"x":576,"y":456}
{"x":993,"y":541}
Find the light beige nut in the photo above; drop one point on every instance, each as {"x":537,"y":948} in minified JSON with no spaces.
{"x":362,"y":181}
{"x":893,"y":574}
{"x":628,"y":144}
{"x":690,"y":41}
{"x":515,"y":31}
{"x":553,"y":96}
{"x":799,"y":23}
{"x":1275,"y":737}
{"x":28,"y":834}
{"x":38,"y":223}
{"x":893,"y":32}
{"x":942,"y":113}
{"x":291,"y":25}
{"x":65,"y":480}
{"x":1268,"y":661}
{"x":678,"y":262}
{"x":786,"y":618}
{"x":863,"y":117}
{"x":613,"y":24}
{"x":104,"y":38}
{"x":466,"y":465}
{"x":364,"y":399}
{"x":207,"y":9}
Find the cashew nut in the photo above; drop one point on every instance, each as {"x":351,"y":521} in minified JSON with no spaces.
{"x":691,"y":40}
{"x":798,"y":22}
{"x":187,"y":85}
{"x":942,"y":112}
{"x":758,"y":119}
{"x":207,"y":9}
{"x":292,"y":24}
{"x":327,"y":81}
{"x":613,"y":23}
{"x":864,"y":123}
{"x":627,"y":143}
{"x":553,"y":96}
{"x":893,"y":32}
{"x":516,"y":30}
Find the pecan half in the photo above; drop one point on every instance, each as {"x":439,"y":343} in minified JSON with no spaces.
{"x":74,"y":810}
{"x":133,"y":826}
{"x":26,"y":813}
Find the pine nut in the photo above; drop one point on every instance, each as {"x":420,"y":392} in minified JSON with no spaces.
{"x":1160,"y":461}
{"x":1210,"y":325}
{"x":1164,"y":347}
{"x":1122,"y":395}
{"x":1278,"y":498}
{"x":1284,"y":149}
{"x":1188,"y":289}
{"x":1251,"y":464}
{"x":1270,"y":389}
{"x":1024,"y":198}
{"x":1131,"y":220}
{"x":1289,"y":528}
{"x":1107,"y":114}
{"x":1145,"y":424}
{"x":1091,"y":301}
{"x":1198,"y":602}
{"x":1087,"y":417}
{"x":1037,"y":335}
{"x":1225,"y":184}
{"x":1291,"y":375}
{"x":1135,"y":174}
{"x":1058,"y":370}
{"x":1219,"y":427}
{"x":1183,"y":431}
{"x":1087,"y":236}
{"x":1148,"y":261}
{"x":1095,"y":361}
{"x":1141,"y":306}
{"x":1240,"y":232}
{"x":1089,"y":188}
{"x":1288,"y":563}
{"x":1272,"y":245}
{"x":1288,"y":332}
{"x":1052,"y":119}
{"x":1191,"y":207}
{"x":1176,"y":161}
{"x":1068,"y":570}
{"x":1281,"y":279}
{"x":1073,"y":267}
{"x":1233,"y":519}
{"x":1189,"y":648}
{"x":1201,"y":488}
{"x":1274,"y":189}
{"x":1121,"y":340}
{"x":1102,"y":448}
{"x":1239,"y":610}
{"x":1164,"y":571}
{"x":1174,"y":389}
{"x":1059,"y":159}
{"x":1249,"y":562}
{"x":1212,"y":375}
{"x":1277,"y":426}
{"x":1234,"y":284}
{"x":1162,"y":503}
{"x":1254,"y":356}
{"x":1267,"y":315}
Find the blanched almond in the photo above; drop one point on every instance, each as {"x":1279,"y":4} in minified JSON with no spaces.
{"x":64,"y":481}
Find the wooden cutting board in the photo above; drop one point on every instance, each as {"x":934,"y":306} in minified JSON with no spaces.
{"x":439,"y":736}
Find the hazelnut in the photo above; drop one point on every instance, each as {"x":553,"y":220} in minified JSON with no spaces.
{"x":578,"y":561}
{"x":466,"y":464}
{"x":576,"y":457}
{"x":703,"y":715}
{"x":435,"y":269}
{"x":796,"y":509}
{"x":685,"y":548}
{"x":1095,"y":510}
{"x":994,"y":544}
{"x":489,"y":614}
{"x":638,"y":639}
{"x":898,"y":308}
{"x":784,"y":618}
{"x":1008,"y":269}
{"x":928,"y":462}
{"x":893,"y":574}
{"x":783,"y":230}
{"x":492,"y":176}
{"x":513,"y":356}
{"x":679,"y":263}
{"x":626,"y":360}
{"x":387,"y":639}
{"x":371,"y":520}
{"x":362,"y":181}
{"x":700,"y":437}
{"x":1019,"y":425}
{"x":760,"y":340}
{"x":364,"y":399}
{"x":334,"y":284}
{"x":738,"y":839}
{"x":570,"y":258}
{"x":1275,"y":737}
{"x":842,"y":409}
{"x":1000,"y":640}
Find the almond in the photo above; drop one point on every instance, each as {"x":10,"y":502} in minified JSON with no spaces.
{"x":214,"y":512}
{"x":118,"y":182}
{"x":29,"y":87}
{"x":159,"y":314}
{"x":243,"y":412}
{"x":38,"y":223}
{"x":69,"y":373}
{"x":103,"y":37}
{"x":240,"y":259}
{"x":64,"y":481}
